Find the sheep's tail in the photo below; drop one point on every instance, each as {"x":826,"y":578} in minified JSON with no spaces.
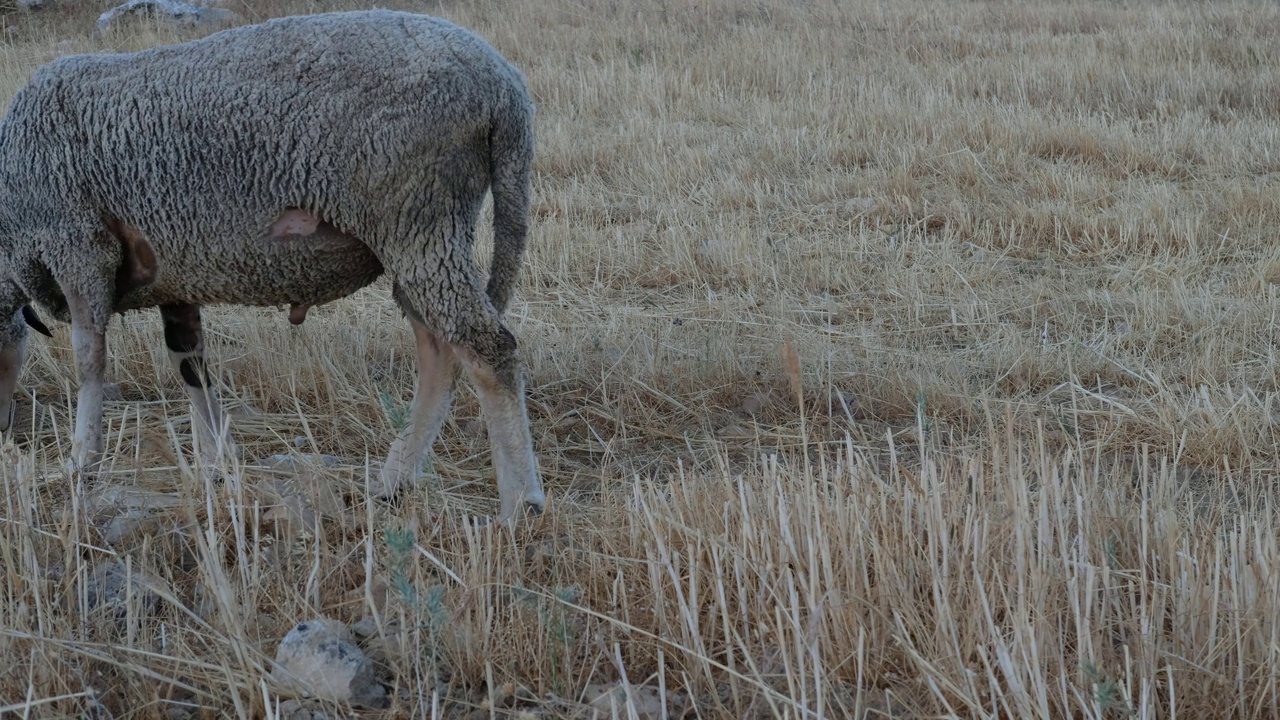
{"x":511,"y":171}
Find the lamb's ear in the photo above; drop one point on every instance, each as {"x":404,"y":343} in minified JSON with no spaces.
{"x":33,"y":321}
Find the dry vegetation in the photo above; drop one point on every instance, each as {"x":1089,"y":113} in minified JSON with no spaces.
{"x":888,"y":359}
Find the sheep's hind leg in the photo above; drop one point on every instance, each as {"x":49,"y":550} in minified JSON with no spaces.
{"x":432,"y":400}
{"x":501,"y":394}
{"x":488,"y":352}
{"x":184,"y":337}
{"x":89,"y":342}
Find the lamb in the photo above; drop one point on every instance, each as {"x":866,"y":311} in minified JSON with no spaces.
{"x":286,"y":163}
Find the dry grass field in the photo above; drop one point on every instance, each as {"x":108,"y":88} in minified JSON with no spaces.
{"x":887,"y":360}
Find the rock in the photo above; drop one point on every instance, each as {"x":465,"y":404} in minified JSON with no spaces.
{"x":379,"y":647}
{"x":296,"y":463}
{"x":607,"y":701}
{"x":851,"y":406}
{"x":365,"y":627}
{"x":122,"y":512}
{"x":30,"y":4}
{"x":318,"y":658}
{"x":859,"y":204}
{"x":298,"y":710}
{"x":199,"y":16}
{"x":754,"y":403}
{"x":296,"y":506}
{"x":112,"y":585}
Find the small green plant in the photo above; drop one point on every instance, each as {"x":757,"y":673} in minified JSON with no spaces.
{"x":1109,"y":547}
{"x":396,"y":410}
{"x":429,"y":605}
{"x":553,"y":618}
{"x":400,"y":543}
{"x":1108,"y":694}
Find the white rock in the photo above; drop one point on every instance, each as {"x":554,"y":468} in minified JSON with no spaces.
{"x":30,"y":4}
{"x":181,"y":13}
{"x":318,"y":658}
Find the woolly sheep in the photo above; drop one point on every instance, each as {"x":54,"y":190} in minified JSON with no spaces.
{"x":291,"y":162}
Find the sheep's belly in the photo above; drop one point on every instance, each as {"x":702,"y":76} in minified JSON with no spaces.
{"x":275,"y":270}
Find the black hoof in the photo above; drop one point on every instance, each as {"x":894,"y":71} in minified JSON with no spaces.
{"x":395,"y":498}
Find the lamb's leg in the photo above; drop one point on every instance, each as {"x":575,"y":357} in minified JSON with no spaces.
{"x":11,"y":359}
{"x":13,"y":352}
{"x":432,"y":399}
{"x":185,"y":339}
{"x":89,"y":341}
{"x":469,"y":322}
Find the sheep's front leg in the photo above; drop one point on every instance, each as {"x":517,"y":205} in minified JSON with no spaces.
{"x":432,"y":399}
{"x":184,"y":337}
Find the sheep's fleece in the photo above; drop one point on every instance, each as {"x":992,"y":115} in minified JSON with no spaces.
{"x":291,"y":162}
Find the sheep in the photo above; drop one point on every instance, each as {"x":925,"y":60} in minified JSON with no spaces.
{"x":291,"y":162}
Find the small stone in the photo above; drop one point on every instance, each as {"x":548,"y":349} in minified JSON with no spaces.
{"x":646,"y":702}
{"x":128,"y":524}
{"x":293,"y":710}
{"x":318,"y":658}
{"x":365,"y":627}
{"x":754,"y":403}
{"x":298,"y":505}
{"x":112,"y":584}
{"x":849,"y":403}
{"x":859,"y":204}
{"x":123,"y":512}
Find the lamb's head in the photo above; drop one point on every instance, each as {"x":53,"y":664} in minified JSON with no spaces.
{"x":13,"y":351}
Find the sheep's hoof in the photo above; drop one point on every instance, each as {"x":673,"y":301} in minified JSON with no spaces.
{"x":394,"y":498}
{"x":213,"y":471}
{"x":86,"y":466}
{"x":391,"y":482}
{"x":513,"y":516}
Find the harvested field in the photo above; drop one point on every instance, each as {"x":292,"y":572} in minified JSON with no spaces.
{"x":887,"y":360}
